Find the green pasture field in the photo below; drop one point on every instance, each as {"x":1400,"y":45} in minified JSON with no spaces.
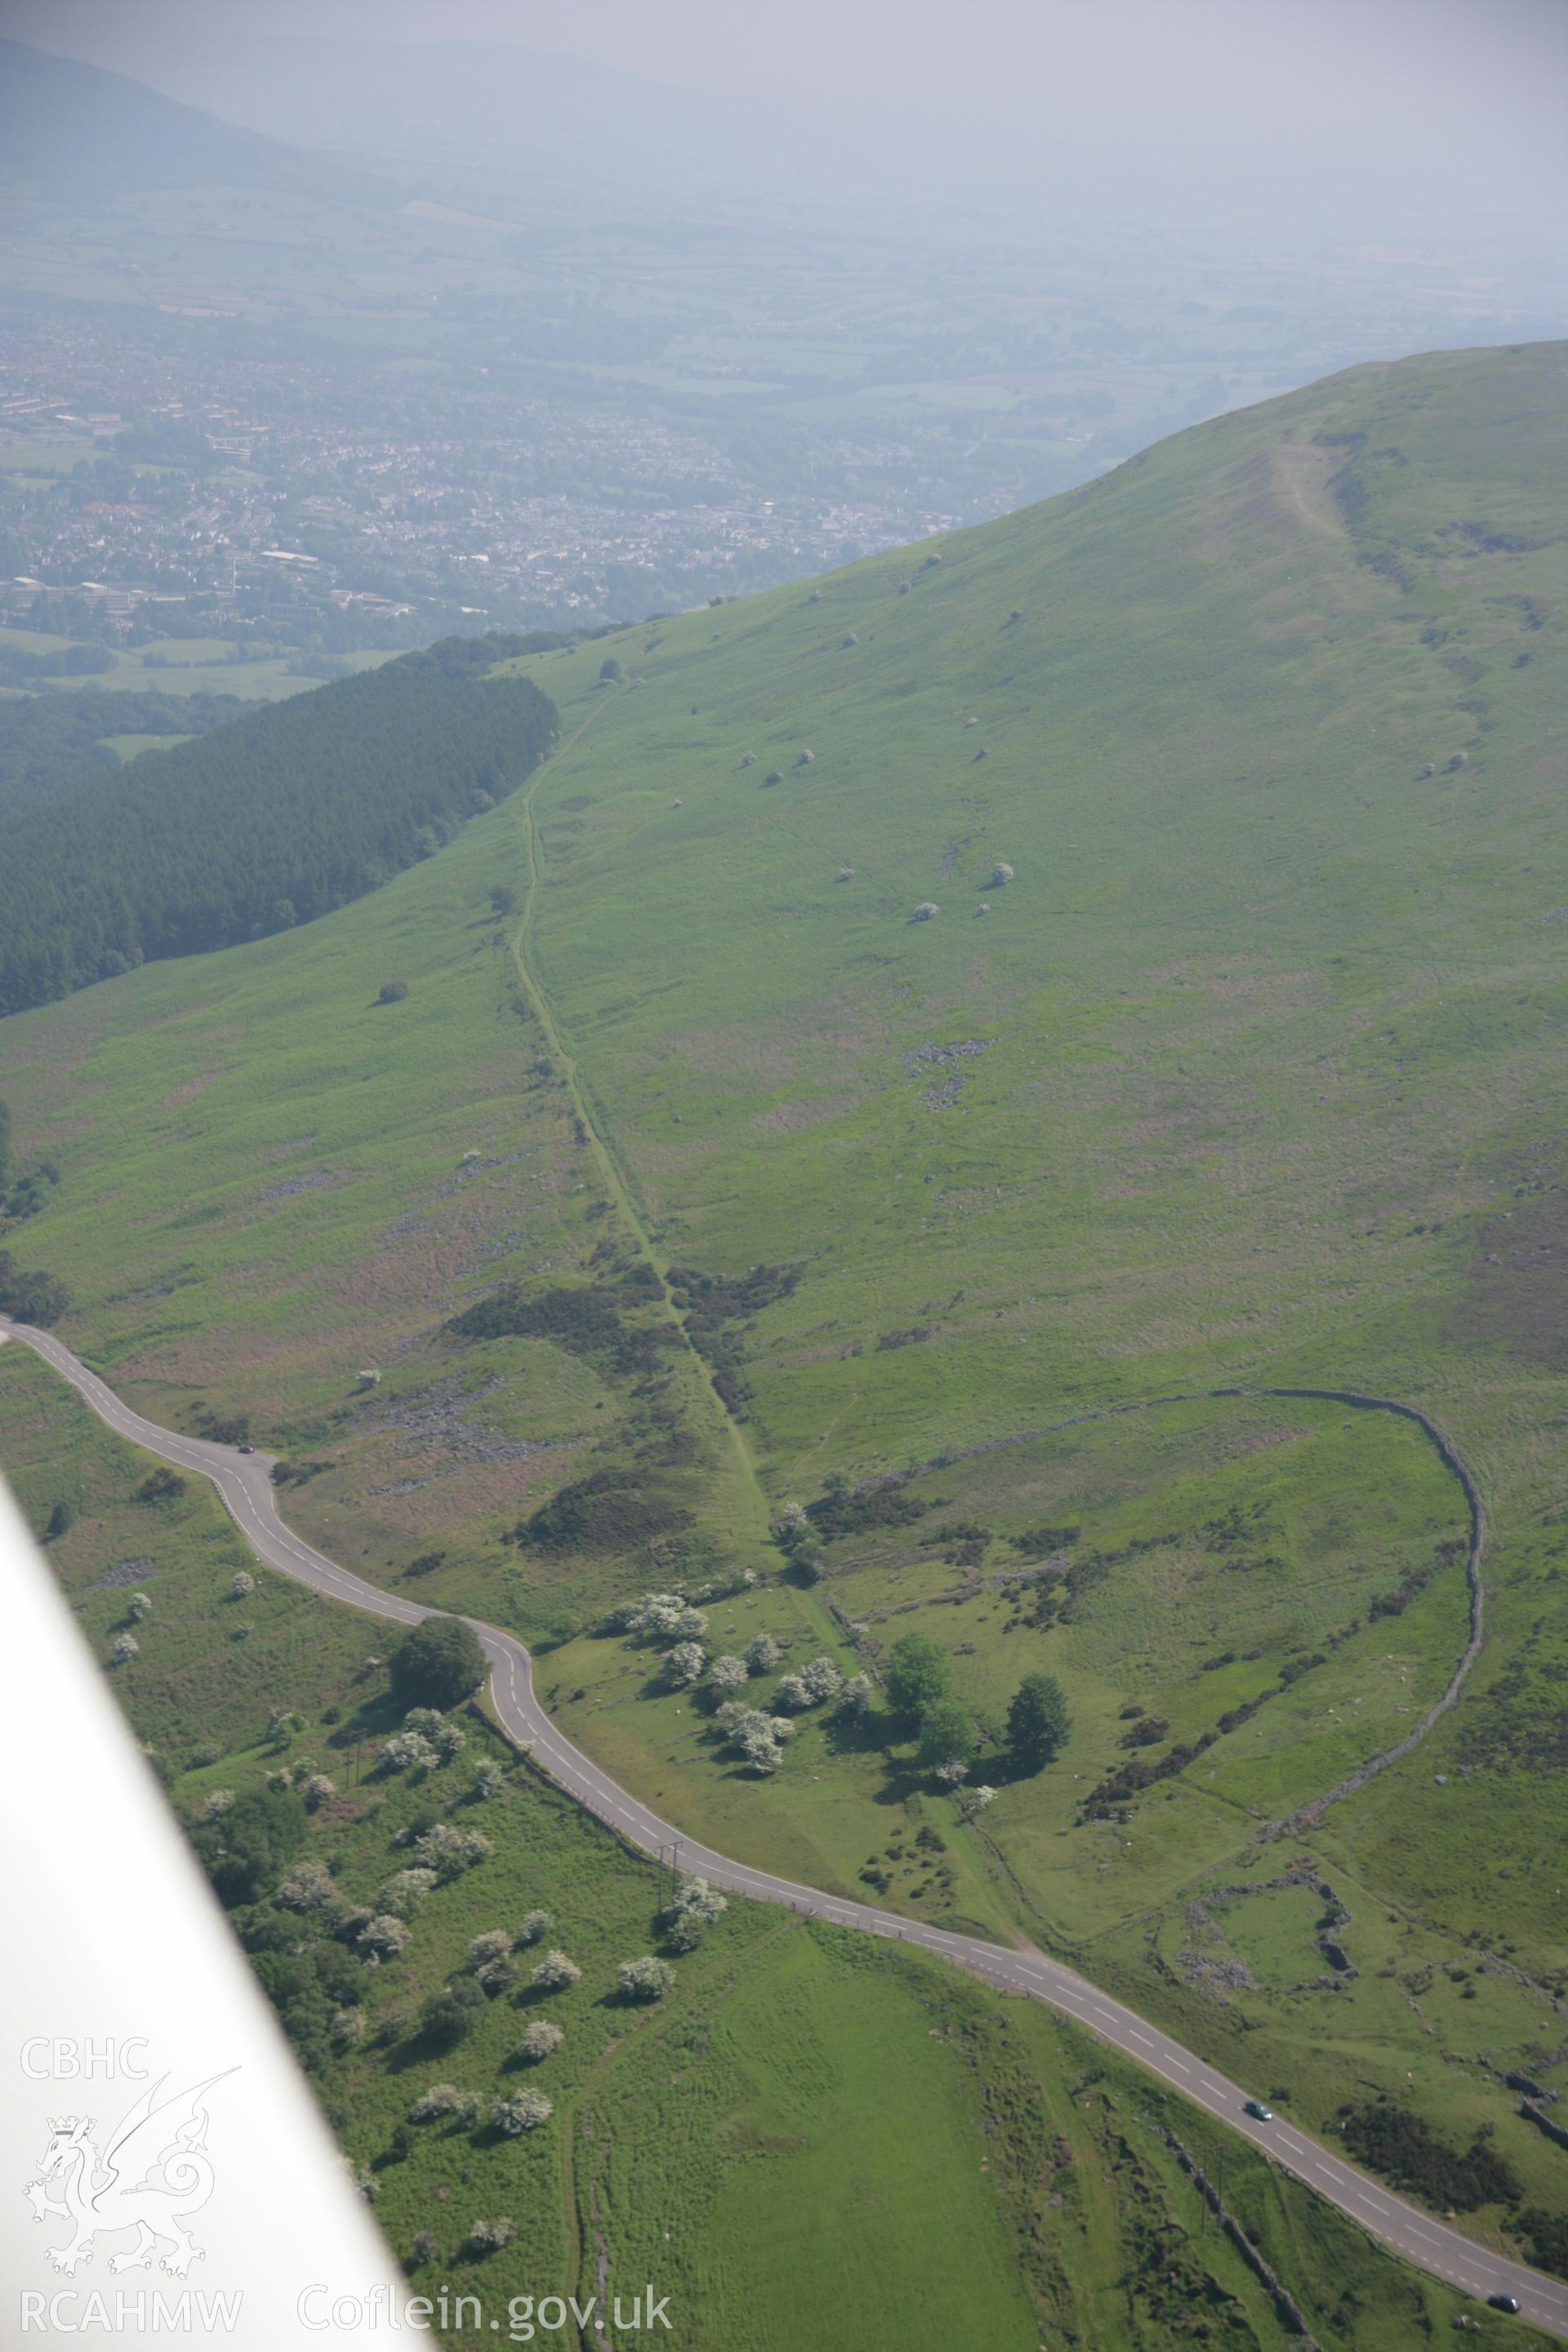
{"x":184,"y":666}
{"x":1248,"y":1076}
{"x":205,"y":666}
{"x":127,"y":748}
{"x":42,"y":456}
{"x":1171,"y":1629}
{"x":32,"y":641}
{"x":261,"y":681}
{"x":798,"y":2142}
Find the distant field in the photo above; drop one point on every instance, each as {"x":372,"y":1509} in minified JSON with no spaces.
{"x":184,"y":666}
{"x":205,"y":666}
{"x":32,"y":641}
{"x":800,"y":2086}
{"x":126,"y":747}
{"x":41,"y":456}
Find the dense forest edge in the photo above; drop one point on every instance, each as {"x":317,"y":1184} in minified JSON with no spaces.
{"x":267,"y":822}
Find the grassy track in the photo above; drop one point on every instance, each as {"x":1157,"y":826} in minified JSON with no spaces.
{"x":602,"y":1145}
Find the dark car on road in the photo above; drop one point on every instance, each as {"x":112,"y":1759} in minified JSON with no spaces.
{"x":1502,"y":2302}
{"x":1256,"y":2108}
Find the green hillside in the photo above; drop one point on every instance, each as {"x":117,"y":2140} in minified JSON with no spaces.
{"x":1114,"y":954}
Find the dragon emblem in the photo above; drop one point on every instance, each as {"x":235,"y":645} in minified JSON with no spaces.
{"x":153,"y":2174}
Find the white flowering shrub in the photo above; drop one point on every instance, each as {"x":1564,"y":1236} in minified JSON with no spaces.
{"x":975,"y":1800}
{"x":139,"y":1605}
{"x":384,"y":1937}
{"x":656,"y":1612}
{"x":645,"y":1980}
{"x":753,"y":1735}
{"x":443,"y":2099}
{"x":683,"y":1665}
{"x":406,"y":1751}
{"x":727,"y":1673}
{"x":217,"y":1804}
{"x":949,"y":1775}
{"x":318,"y":1790}
{"x":443,"y":1736}
{"x":402,"y":1893}
{"x":703,"y":1902}
{"x":523,"y":2112}
{"x":854,"y":1697}
{"x":822,"y":1680}
{"x":124,"y":1647}
{"x":696,"y":1906}
{"x":486,"y":1781}
{"x":538,"y":2041}
{"x":242,"y":1585}
{"x":489,"y":2237}
{"x":495,"y":1943}
{"x":762,"y":1654}
{"x":555,"y":1972}
{"x":536,"y":1925}
{"x":348,"y":2028}
{"x":633,"y":1617}
{"x":792,"y":1694}
{"x":306,"y":1886}
{"x":448,"y":1851}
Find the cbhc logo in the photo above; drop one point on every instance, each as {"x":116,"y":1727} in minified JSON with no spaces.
{"x":61,"y":2058}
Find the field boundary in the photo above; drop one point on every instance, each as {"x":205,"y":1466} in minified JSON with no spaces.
{"x":1315,"y":1807}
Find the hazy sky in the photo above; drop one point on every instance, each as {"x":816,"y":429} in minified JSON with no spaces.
{"x":1344,"y":60}
{"x":1464,"y":97}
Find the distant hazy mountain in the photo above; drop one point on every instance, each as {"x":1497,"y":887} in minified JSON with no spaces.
{"x":466,"y":104}
{"x":72,"y":130}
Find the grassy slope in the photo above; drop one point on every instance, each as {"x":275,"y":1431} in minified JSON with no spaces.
{"x":792,"y":2146}
{"x":1268,"y":1092}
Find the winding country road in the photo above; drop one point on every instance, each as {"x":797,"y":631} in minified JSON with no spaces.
{"x":244,"y":1482}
